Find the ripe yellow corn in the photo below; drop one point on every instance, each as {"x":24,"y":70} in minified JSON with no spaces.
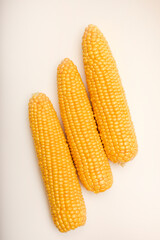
{"x":59,"y":175}
{"x":81,"y":130}
{"x":108,"y":98}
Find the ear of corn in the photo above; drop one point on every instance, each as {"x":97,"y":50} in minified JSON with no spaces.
{"x":81,"y":130}
{"x":108,"y":97}
{"x":59,"y":175}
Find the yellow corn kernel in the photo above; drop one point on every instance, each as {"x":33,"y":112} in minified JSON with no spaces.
{"x":58,"y":172}
{"x":84,"y":141}
{"x":108,"y":98}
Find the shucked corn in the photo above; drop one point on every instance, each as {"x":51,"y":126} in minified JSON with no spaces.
{"x":108,"y":97}
{"x":59,"y":175}
{"x":81,"y":130}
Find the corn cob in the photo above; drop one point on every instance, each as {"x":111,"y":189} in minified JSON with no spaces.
{"x":59,"y":175}
{"x":108,"y":98}
{"x":84,"y":141}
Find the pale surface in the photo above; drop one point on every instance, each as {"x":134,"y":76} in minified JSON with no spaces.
{"x":36,"y":36}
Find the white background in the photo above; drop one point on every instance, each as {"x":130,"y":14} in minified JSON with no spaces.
{"x":35,"y":37}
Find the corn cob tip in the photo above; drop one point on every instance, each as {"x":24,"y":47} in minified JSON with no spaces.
{"x":38,"y":97}
{"x":66,"y":62}
{"x":90,"y":29}
{"x":91,"y":26}
{"x":35,"y":94}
